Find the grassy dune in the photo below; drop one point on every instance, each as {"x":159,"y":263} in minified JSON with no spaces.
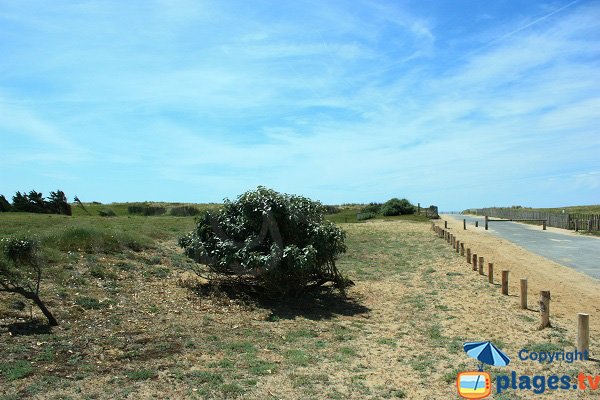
{"x":120,"y":209}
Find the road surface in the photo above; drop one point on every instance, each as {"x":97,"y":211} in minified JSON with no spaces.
{"x":579,"y":252}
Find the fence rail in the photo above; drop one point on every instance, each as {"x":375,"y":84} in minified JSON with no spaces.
{"x":573,"y":221}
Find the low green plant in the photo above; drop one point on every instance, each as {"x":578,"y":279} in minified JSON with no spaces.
{"x":90,"y":303}
{"x":16,"y":369}
{"x":141,"y":375}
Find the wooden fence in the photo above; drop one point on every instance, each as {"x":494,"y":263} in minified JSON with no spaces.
{"x":578,"y":222}
{"x":449,"y":234}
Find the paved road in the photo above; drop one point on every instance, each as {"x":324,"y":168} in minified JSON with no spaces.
{"x":579,"y":252}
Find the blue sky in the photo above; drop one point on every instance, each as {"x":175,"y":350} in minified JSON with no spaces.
{"x":456,"y":103}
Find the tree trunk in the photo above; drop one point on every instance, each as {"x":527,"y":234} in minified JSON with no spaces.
{"x":51,"y":320}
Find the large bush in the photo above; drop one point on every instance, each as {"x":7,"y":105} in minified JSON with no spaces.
{"x":397,"y":207}
{"x":282,"y":242}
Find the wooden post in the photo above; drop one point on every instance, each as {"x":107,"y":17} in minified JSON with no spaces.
{"x":589,"y":225}
{"x":474,"y":262}
{"x":418,"y":208}
{"x":476,"y":224}
{"x":469,"y":256}
{"x":491,"y":273}
{"x":486,"y":222}
{"x":446,"y":224}
{"x":458,"y":246}
{"x":480,"y":265}
{"x":544,"y":225}
{"x":464,"y":224}
{"x":583,"y":333}
{"x":505,"y":282}
{"x":544,"y":308}
{"x":524,"y":294}
{"x":462,"y":249}
{"x":576,"y":225}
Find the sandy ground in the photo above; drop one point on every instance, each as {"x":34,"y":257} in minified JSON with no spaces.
{"x":471,"y":309}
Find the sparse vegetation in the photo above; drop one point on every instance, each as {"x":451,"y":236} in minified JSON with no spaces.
{"x":138,"y":323}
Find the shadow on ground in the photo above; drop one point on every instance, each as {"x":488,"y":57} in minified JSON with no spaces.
{"x":31,"y":327}
{"x":318,"y":303}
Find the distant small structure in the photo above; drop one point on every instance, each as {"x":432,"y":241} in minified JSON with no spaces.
{"x":431,"y":212}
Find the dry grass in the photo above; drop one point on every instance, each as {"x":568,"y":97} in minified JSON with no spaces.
{"x":136,"y":325}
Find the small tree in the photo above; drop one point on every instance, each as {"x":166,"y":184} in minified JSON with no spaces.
{"x":281,"y":241}
{"x":37,"y":204}
{"x":58,"y":203}
{"x":4,"y":204}
{"x":21,"y":272}
{"x":20,"y":202}
{"x":397,"y":207}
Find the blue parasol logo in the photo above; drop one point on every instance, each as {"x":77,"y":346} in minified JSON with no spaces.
{"x":486,"y":353}
{"x":477,"y":385}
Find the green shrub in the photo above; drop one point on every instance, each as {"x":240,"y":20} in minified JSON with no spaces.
{"x":332,"y":210}
{"x":371,"y":208}
{"x":146,"y":210}
{"x":184,"y":211}
{"x":90,"y":303}
{"x":280,"y":241}
{"x":397,"y":207}
{"x":100,"y":272}
{"x":21,"y":250}
{"x":362,"y":216}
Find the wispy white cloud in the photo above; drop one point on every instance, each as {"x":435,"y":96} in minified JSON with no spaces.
{"x":343,"y":103}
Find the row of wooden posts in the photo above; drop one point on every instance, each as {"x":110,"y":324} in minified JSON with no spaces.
{"x":583,"y":324}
